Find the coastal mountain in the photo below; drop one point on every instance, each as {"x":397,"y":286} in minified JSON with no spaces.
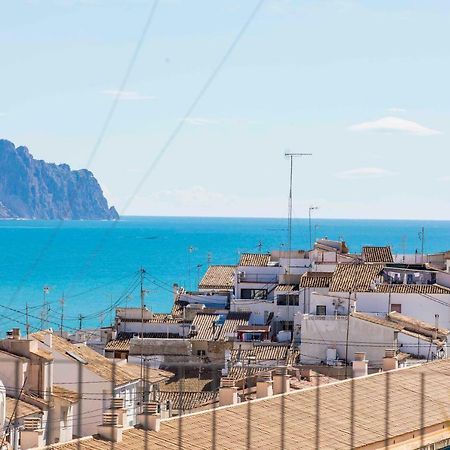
{"x":35,"y":189}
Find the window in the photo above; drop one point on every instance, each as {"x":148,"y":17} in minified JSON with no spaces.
{"x":321,"y":310}
{"x":397,"y":307}
{"x":287,"y":299}
{"x":254,"y":294}
{"x":201,"y":353}
{"x":287,"y":325}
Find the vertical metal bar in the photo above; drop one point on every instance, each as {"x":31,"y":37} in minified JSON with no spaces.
{"x":282,"y":411}
{"x":282,"y":421}
{"x":17,"y":389}
{"x":113,"y":390}
{"x":80,"y":403}
{"x":249,"y":415}
{"x":50,"y":412}
{"x":352,"y":413}
{"x":318,"y":411}
{"x":181,"y":375}
{"x":142,"y":399}
{"x":386,"y":413}
{"x":422,"y":409}
{"x":215,"y":385}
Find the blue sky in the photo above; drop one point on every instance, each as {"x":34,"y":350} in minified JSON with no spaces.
{"x":362,"y":85}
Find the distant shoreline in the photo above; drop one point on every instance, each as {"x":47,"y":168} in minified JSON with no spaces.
{"x":143,"y":217}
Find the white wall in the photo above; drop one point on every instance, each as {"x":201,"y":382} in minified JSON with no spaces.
{"x":417,"y":347}
{"x":413,"y":305}
{"x":318,"y":333}
{"x":96,"y":391}
{"x":259,"y":309}
{"x":336,"y":304}
{"x":136,"y":327}
{"x":255,"y":277}
{"x":443,"y":279}
{"x":298,"y":265}
{"x":10,"y":365}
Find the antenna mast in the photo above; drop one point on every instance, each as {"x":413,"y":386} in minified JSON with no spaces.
{"x":62,"y":316}
{"x":45,"y":308}
{"x":422,"y":240}
{"x":291,"y":156}
{"x":143,"y":293}
{"x":27,"y":326}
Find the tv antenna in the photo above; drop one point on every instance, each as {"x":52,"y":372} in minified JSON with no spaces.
{"x":291,"y":157}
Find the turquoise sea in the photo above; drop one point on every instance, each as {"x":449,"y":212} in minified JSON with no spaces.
{"x":95,"y":264}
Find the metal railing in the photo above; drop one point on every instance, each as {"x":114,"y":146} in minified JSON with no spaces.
{"x":402,"y":405}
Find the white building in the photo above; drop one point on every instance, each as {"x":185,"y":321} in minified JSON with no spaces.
{"x":95,"y":379}
{"x":27,"y":373}
{"x":379,"y":288}
{"x":330,"y":339}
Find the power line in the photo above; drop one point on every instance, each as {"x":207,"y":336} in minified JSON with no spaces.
{"x":97,"y":144}
{"x":123,"y":83}
{"x":172,"y":136}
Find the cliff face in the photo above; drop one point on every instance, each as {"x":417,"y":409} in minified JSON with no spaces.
{"x":34,"y":189}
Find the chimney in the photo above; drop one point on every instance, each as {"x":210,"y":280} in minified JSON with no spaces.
{"x":150,"y":419}
{"x":118,"y":407}
{"x":15,"y":334}
{"x":110,"y":428}
{"x":360,"y":366}
{"x":280,"y":381}
{"x":175,"y":291}
{"x":264,"y":386}
{"x":390,"y":360}
{"x":32,"y":434}
{"x":227,"y":392}
{"x":48,"y":338}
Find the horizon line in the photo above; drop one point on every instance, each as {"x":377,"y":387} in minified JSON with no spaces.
{"x":278,"y":218}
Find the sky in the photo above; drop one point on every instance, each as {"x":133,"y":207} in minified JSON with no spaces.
{"x":361,"y":85}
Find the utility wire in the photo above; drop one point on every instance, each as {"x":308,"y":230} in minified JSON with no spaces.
{"x":175,"y":132}
{"x":123,"y":83}
{"x":122,"y":86}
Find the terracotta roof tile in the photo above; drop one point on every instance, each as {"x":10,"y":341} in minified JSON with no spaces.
{"x":218,"y":277}
{"x":21,"y":408}
{"x":232,"y":322}
{"x":340,"y":412}
{"x":65,"y":394}
{"x":95,"y":362}
{"x":188,"y":401}
{"x":377,"y":254}
{"x":349,"y":277}
{"x":122,"y":342}
{"x":254,"y":259}
{"x":263,"y":353}
{"x":316,"y":279}
{"x":205,"y":326}
{"x":211,"y":327}
{"x":286,"y":288}
{"x":413,"y":289}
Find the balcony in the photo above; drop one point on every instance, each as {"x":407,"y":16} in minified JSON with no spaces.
{"x":257,"y":278}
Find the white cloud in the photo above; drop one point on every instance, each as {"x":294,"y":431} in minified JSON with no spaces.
{"x":364,"y":173}
{"x":127,"y":95}
{"x":445,"y":178}
{"x":394,"y":125}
